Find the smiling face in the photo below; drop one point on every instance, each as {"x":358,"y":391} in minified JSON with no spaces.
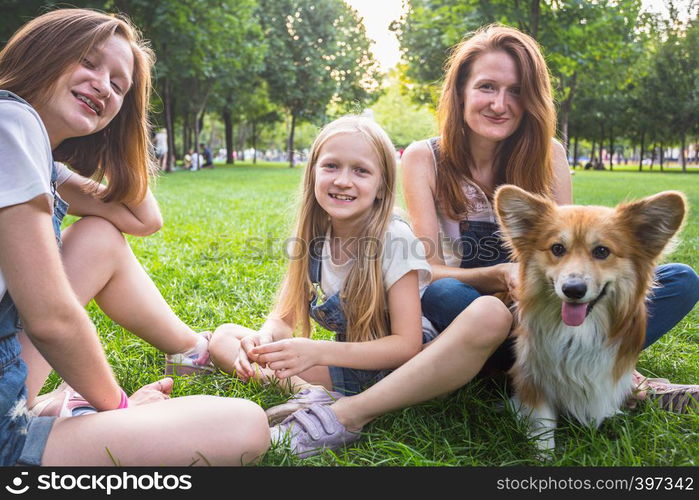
{"x":347,"y":178}
{"x":89,"y":94}
{"x":492,"y":107}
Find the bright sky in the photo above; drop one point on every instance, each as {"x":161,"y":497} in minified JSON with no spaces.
{"x":378,"y":15}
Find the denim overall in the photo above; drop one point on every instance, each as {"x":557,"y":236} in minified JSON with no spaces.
{"x":328,"y":313}
{"x":22,"y":438}
{"x":480,"y":245}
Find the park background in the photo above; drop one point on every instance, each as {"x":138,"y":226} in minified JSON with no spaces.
{"x":256,"y":79}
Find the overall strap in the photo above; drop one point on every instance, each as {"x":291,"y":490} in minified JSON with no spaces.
{"x":433,"y":143}
{"x":314,"y":263}
{"x":6,"y":95}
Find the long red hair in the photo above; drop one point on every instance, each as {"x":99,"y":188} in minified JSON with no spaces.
{"x":524,"y":158}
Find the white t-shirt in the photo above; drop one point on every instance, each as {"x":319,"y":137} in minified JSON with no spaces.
{"x":403,"y":253}
{"x":161,"y":143}
{"x":25,"y":159}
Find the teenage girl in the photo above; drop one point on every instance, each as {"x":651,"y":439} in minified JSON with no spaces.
{"x":75,"y":87}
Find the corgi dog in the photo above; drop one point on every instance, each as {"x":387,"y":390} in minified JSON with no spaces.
{"x":584,"y":275}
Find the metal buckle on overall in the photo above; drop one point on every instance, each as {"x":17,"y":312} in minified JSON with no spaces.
{"x":320,"y":296}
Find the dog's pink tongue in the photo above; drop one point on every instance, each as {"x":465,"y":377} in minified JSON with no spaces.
{"x":573,"y":314}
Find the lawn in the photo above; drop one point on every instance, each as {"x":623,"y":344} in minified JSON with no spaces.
{"x":219,"y":259}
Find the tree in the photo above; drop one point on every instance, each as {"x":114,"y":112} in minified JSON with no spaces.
{"x":198,"y":43}
{"x":318,"y":52}
{"x":577,"y":36}
{"x":676,"y":75}
{"x":15,"y":13}
{"x":403,"y":120}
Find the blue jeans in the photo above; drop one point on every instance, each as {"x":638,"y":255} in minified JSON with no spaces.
{"x":669,"y":303}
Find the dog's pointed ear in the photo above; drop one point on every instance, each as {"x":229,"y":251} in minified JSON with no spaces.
{"x":654,"y":220}
{"x":519,"y":212}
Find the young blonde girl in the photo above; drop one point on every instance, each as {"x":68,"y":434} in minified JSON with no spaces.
{"x":355,"y":269}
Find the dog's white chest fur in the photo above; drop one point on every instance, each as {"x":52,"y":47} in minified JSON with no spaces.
{"x":574,"y":367}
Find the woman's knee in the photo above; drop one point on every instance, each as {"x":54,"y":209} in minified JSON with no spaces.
{"x":486,"y":322}
{"x":444,"y":300}
{"x":681,"y":277}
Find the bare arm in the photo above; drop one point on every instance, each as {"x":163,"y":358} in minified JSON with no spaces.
{"x":392,"y":350}
{"x":140,"y":219}
{"x":419,"y":188}
{"x":562,"y":185}
{"x":293,"y":356}
{"x":52,"y":316}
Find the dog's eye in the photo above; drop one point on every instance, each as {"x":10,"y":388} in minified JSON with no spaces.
{"x":558,"y":250}
{"x":600,"y":253}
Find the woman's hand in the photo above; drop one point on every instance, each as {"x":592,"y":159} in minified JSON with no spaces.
{"x":509,"y":273}
{"x":152,"y":393}
{"x":288,"y":357}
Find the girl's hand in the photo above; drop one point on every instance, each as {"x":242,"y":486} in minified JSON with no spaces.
{"x":251,"y":341}
{"x":243,"y":367}
{"x":288,"y":357}
{"x":243,"y":364}
{"x":152,"y":393}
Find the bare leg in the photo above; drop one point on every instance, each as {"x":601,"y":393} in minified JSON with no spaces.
{"x":100,"y":265}
{"x":225,"y":345}
{"x":182,"y":431}
{"x":449,"y":362}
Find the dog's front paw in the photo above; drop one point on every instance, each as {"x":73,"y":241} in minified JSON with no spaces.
{"x":545,"y":445}
{"x":541,"y":423}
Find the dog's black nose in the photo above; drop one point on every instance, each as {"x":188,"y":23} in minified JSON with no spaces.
{"x":574,"y":288}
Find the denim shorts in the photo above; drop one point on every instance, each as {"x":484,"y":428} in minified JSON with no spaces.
{"x":22,"y":437}
{"x":349,"y":381}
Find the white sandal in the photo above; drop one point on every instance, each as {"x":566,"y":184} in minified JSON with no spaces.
{"x":59,"y":405}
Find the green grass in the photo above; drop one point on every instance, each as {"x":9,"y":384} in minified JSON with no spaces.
{"x":219,"y":259}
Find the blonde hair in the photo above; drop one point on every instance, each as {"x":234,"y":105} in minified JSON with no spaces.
{"x":524,"y":158}
{"x":42,"y":50}
{"x":363,"y":295}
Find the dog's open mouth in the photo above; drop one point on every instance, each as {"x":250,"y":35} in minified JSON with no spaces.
{"x":574,"y":314}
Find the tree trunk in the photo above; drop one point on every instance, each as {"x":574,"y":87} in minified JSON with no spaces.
{"x":575,"y":152}
{"x":662,"y":156}
{"x":198,"y":122}
{"x":682,"y":156}
{"x":254,"y":143}
{"x":185,"y":136}
{"x":566,"y":106}
{"x":534,"y":15}
{"x":290,"y":145}
{"x":611,"y":148}
{"x":167,"y":104}
{"x":228,"y":126}
{"x":640,"y":160}
{"x":592,"y":153}
{"x":241,"y":138}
